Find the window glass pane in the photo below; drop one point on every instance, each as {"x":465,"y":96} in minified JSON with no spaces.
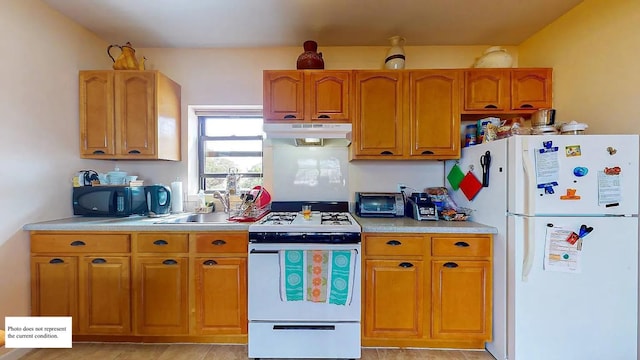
{"x":234,"y":145}
{"x":233,"y":126}
{"x":221,"y":165}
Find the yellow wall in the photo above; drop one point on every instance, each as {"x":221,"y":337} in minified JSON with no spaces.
{"x":595,"y":51}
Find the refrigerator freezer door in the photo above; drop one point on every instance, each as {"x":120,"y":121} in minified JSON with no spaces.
{"x":591,"y":314}
{"x":579,"y":164}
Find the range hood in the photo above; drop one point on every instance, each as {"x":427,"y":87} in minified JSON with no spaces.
{"x":309,"y":134}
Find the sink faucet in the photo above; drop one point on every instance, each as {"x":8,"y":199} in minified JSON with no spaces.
{"x":224,"y":199}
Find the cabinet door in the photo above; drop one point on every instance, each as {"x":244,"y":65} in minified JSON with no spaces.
{"x":283,"y":95}
{"x":135,"y":113}
{"x":531,"y":89}
{"x":54,"y":286}
{"x":378,"y":114}
{"x":97,"y":133}
{"x":161,"y":295}
{"x":461,"y":298}
{"x":434,"y":113}
{"x":487,"y":90}
{"x":221,"y":295}
{"x":328,"y":95}
{"x":394,"y":298}
{"x":105,"y":295}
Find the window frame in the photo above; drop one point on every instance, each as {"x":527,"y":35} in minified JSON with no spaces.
{"x":226,"y":112}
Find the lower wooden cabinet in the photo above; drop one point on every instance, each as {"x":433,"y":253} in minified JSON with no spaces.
{"x":105,"y":295}
{"x":54,"y":286}
{"x":161,"y":295}
{"x":427,"y":290}
{"x":394,"y":293}
{"x":221,"y":295}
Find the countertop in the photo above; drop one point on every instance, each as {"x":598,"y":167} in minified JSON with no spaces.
{"x":142,"y":223}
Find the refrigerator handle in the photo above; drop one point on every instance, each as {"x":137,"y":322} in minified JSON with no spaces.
{"x":529,"y":175}
{"x":529,"y":248}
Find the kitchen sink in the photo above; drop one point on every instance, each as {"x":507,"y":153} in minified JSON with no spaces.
{"x":208,"y":218}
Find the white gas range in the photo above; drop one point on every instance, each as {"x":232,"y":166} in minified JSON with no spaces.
{"x":304,"y":282}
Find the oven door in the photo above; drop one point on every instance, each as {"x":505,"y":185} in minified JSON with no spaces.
{"x":265,"y":302}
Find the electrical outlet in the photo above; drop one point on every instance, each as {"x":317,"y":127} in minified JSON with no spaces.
{"x":401,"y":187}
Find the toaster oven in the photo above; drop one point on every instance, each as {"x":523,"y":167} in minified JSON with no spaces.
{"x":378,"y":204}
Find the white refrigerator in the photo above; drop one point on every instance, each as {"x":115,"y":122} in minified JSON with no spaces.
{"x":566,"y":252}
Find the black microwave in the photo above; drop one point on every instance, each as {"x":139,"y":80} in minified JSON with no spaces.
{"x":109,"y":201}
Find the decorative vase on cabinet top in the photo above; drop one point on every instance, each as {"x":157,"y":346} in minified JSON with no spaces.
{"x":395,"y":55}
{"x":310,"y":58}
{"x":494,"y":57}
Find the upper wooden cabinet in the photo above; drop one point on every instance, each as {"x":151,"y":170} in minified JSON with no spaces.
{"x":518,"y":91}
{"x":406,"y":114}
{"x":306,"y":95}
{"x":129,"y":115}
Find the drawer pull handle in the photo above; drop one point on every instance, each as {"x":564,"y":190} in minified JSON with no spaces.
{"x":462,"y":244}
{"x":134,"y":151}
{"x":386,"y":152}
{"x":98,"y":261}
{"x":56,"y":261}
{"x":78,"y":243}
{"x":218,"y":242}
{"x":169,"y":262}
{"x":98,"y":152}
{"x":160,"y":242}
{"x":450,"y":265}
{"x":393,"y":243}
{"x":405,"y":265}
{"x":491,"y":106}
{"x":526,"y":106}
{"x":427,"y":152}
{"x":210,"y":262}
{"x":324,"y":116}
{"x":289,"y":116}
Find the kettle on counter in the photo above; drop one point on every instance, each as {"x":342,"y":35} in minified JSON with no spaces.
{"x":158,"y":200}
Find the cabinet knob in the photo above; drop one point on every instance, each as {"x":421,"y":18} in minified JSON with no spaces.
{"x":450,"y":265}
{"x":289,"y":116}
{"x":218,"y":242}
{"x":56,"y":261}
{"x":160,"y":242}
{"x":394,"y":243}
{"x":210,"y":262}
{"x":405,"y":265}
{"x":78,"y":243}
{"x":490,"y":106}
{"x":169,"y":262}
{"x":386,"y":152}
{"x":98,"y":261}
{"x":462,"y":244}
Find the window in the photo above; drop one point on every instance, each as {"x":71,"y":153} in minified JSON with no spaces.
{"x":230,"y":142}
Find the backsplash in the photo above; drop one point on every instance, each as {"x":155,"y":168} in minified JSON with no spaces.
{"x":325,"y":174}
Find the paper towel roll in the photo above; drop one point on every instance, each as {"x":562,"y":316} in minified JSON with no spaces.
{"x":176,"y":197}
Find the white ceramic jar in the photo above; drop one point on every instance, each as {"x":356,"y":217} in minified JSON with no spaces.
{"x":494,"y":57}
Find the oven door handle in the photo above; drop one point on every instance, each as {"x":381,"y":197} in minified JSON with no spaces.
{"x":254,"y":251}
{"x":304,"y":327}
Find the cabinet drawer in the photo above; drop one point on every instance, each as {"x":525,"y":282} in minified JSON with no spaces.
{"x":222,"y":242}
{"x":79,"y":243}
{"x":162,"y":243}
{"x":461,"y":246}
{"x":394,"y":245}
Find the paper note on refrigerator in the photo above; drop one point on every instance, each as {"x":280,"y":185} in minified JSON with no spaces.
{"x":609,"y":191}
{"x":547,"y":166}
{"x":559,"y":254}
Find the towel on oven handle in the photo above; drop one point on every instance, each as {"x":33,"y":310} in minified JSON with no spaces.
{"x":320,"y":276}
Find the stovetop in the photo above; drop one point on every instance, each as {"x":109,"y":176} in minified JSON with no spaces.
{"x":320,"y":222}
